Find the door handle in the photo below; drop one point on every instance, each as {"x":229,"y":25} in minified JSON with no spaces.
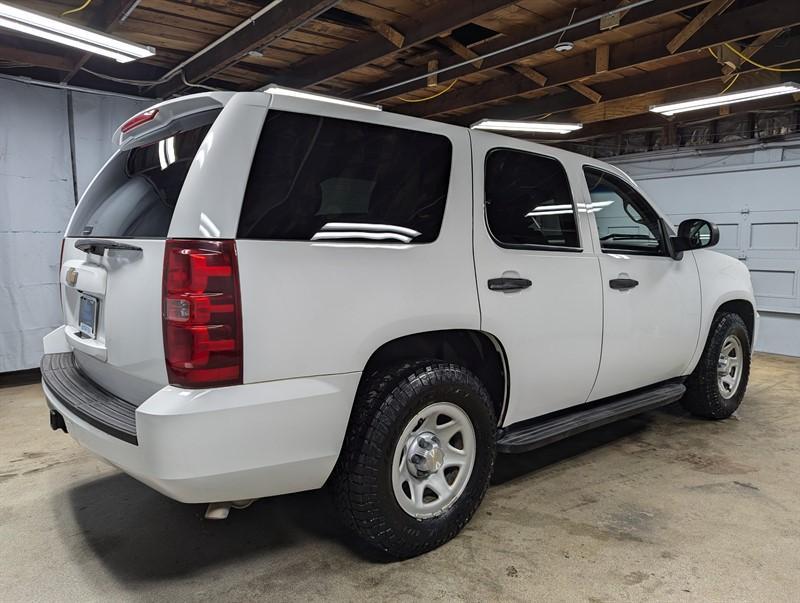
{"x":509,"y":284}
{"x":623,"y":284}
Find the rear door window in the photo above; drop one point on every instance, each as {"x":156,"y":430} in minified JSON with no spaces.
{"x":135,"y":195}
{"x":325,"y":179}
{"x":529,"y":201}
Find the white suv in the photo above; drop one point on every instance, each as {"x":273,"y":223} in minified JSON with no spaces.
{"x":265,"y":293}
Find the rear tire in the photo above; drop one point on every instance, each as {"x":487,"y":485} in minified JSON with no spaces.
{"x":417,"y":458}
{"x":716,"y":387}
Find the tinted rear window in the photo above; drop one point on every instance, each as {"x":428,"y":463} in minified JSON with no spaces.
{"x":319,"y":178}
{"x":136,"y":193}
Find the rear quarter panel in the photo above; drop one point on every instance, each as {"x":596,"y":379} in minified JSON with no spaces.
{"x":315,"y":308}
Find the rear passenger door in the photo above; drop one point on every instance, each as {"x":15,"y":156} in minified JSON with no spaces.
{"x":538,"y":279}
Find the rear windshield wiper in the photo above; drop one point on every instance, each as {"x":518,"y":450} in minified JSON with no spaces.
{"x":99,"y":246}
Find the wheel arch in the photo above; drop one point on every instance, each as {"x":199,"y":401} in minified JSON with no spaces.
{"x":476,"y":350}
{"x":744,"y":308}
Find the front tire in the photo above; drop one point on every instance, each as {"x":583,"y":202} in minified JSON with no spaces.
{"x":417,"y":458}
{"x":716,"y":387}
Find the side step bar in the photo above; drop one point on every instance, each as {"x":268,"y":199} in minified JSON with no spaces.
{"x":530,"y":436}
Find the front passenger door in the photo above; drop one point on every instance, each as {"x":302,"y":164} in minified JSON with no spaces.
{"x":651,"y":302}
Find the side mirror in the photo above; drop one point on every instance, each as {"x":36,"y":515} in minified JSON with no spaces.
{"x":695,"y":233}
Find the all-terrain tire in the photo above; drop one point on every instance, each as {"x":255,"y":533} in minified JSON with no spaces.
{"x":703,"y":397}
{"x":362,"y":480}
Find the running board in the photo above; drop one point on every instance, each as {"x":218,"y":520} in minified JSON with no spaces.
{"x":531,"y":436}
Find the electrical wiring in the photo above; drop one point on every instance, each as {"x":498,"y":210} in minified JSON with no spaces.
{"x":732,"y":82}
{"x":77,"y":10}
{"x":427,"y":98}
{"x":752,"y":62}
{"x":131,"y":82}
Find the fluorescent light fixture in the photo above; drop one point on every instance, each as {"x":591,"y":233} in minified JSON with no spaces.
{"x":525,"y":126}
{"x":281,"y":91}
{"x":55,"y":30}
{"x":726,"y":99}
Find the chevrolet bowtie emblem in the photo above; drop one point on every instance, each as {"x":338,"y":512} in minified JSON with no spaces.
{"x":72,"y":277}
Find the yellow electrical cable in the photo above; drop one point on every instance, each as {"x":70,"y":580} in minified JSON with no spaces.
{"x":751,"y":61}
{"x":732,"y":82}
{"x":712,"y":53}
{"x":77,"y":10}
{"x":427,"y":98}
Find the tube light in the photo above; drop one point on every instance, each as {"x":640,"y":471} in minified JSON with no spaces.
{"x":55,"y":30}
{"x":726,"y":99}
{"x":526,"y":126}
{"x":281,"y":91}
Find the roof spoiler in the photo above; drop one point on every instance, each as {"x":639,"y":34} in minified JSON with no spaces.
{"x":146,"y":124}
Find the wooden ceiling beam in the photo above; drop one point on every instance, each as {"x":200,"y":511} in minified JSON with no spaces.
{"x":428,"y":24}
{"x":36,"y":59}
{"x":729,"y":27}
{"x":635,"y":15}
{"x":701,"y":70}
{"x":704,"y":16}
{"x":649,"y":121}
{"x":282,"y":19}
{"x":460,"y":50}
{"x":585,"y":91}
{"x":749,"y":50}
{"x":389,"y":32}
{"x":106,"y":18}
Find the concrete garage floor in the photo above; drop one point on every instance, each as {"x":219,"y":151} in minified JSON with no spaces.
{"x":661,"y":507}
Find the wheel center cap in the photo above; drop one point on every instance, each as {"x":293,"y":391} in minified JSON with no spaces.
{"x":425,"y":455}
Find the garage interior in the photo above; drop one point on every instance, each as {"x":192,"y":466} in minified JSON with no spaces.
{"x":659,"y":507}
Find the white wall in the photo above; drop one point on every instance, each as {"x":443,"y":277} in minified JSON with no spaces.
{"x":37,"y":196}
{"x":752,"y":192}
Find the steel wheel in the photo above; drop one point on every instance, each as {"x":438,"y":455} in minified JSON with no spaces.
{"x":433,"y":460}
{"x":729,"y":367}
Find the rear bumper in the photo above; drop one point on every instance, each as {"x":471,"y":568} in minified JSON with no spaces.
{"x":228,"y":443}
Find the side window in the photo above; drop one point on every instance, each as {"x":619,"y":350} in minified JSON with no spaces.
{"x":318,"y":178}
{"x":528,"y":200}
{"x":625,"y":221}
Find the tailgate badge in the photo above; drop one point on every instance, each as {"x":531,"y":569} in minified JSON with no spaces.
{"x":72,"y":277}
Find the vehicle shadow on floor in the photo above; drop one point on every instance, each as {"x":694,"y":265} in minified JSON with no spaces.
{"x":142,"y":536}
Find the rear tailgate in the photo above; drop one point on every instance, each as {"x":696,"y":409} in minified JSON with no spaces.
{"x":113,"y":258}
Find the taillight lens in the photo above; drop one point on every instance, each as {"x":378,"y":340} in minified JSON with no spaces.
{"x":139,"y":119}
{"x":202,"y":313}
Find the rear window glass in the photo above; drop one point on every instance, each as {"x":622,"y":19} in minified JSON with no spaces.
{"x":319,"y":178}
{"x":135,"y":195}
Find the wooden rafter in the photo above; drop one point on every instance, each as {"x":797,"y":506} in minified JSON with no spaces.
{"x":439,"y":18}
{"x":282,"y":19}
{"x":729,"y":27}
{"x":622,"y":91}
{"x":640,"y":14}
{"x":530,"y":73}
{"x":704,"y":16}
{"x":584,"y":90}
{"x":460,"y":50}
{"x":751,"y":49}
{"x":106,"y":18}
{"x":389,"y":32}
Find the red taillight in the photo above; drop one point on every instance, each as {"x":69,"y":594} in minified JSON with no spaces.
{"x":202,"y":313}
{"x":139,"y":119}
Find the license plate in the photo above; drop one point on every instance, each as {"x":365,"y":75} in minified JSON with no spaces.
{"x":87,"y":315}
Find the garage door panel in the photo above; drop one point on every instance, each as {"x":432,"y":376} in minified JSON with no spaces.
{"x":775,"y":283}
